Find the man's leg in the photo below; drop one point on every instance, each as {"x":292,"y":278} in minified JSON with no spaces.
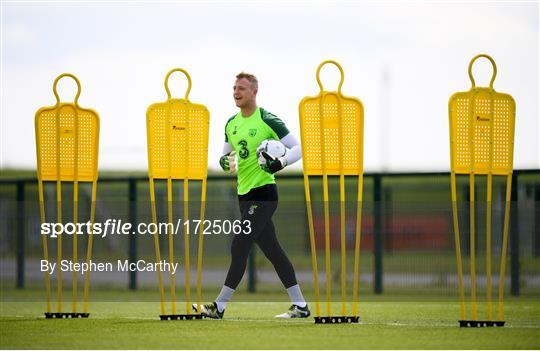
{"x":240,"y":249}
{"x":271,"y":248}
{"x":258,"y":213}
{"x":255,"y":208}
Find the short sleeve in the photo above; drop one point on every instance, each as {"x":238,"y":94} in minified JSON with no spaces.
{"x":275,"y":124}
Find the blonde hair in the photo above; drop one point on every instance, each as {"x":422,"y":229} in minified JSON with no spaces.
{"x":250,"y":77}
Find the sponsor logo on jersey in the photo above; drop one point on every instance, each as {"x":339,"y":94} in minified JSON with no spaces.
{"x":252,"y":132}
{"x":243,"y":152}
{"x":252,"y":209}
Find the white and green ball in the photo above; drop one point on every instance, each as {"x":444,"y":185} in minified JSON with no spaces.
{"x":274,"y":148}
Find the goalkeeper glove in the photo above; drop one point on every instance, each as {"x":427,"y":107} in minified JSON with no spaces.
{"x":273,"y":165}
{"x":228,"y":162}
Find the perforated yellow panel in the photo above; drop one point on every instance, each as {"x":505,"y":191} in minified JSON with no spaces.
{"x":178,"y":140}
{"x":482,"y":131}
{"x":76,"y":131}
{"x":177,"y":133}
{"x":324,"y":150}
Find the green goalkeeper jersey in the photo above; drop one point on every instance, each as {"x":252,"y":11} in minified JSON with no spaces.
{"x":245,"y":134}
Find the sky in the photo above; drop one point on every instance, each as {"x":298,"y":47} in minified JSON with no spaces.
{"x":403,"y":60}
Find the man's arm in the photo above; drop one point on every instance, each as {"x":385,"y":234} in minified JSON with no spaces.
{"x":293,"y":154}
{"x":295,"y":150}
{"x":227,"y":148}
{"x":228,"y":161}
{"x":282,"y":132}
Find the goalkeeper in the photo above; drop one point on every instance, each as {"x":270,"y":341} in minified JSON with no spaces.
{"x":257,"y":194}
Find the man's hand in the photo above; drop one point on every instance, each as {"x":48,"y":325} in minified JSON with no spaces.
{"x":228,"y":162}
{"x":273,"y":165}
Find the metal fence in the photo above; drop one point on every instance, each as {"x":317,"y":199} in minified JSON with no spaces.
{"x":389,"y":214}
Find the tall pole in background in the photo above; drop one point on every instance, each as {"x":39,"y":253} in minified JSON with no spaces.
{"x":385,"y":126}
{"x":377,"y":185}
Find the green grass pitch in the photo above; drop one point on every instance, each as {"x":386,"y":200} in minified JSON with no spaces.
{"x":388,"y":322}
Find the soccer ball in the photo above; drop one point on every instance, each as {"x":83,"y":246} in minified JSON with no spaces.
{"x":274,"y":148}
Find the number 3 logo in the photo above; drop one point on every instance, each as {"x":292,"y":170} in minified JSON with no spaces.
{"x":244,"y":152}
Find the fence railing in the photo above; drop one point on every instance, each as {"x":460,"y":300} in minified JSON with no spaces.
{"x":382,"y":188}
